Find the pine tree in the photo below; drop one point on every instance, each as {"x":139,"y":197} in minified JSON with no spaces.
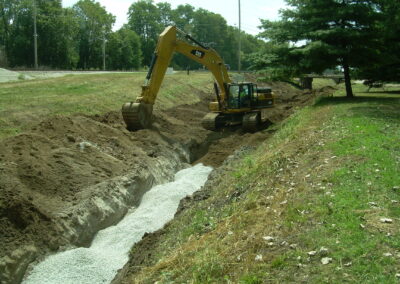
{"x":328,"y":33}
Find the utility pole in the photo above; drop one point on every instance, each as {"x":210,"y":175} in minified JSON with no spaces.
{"x":35,"y":35}
{"x":240,"y":40}
{"x":104,"y":53}
{"x":104,"y":48}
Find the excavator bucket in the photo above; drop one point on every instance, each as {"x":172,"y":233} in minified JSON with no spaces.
{"x":137,"y":115}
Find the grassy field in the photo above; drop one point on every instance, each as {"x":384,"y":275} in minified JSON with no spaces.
{"x":318,"y":203}
{"x":326,"y":187}
{"x":25,"y":103}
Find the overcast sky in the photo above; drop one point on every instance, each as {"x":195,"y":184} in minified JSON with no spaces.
{"x":252,"y":10}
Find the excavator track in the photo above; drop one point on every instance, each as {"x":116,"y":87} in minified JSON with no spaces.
{"x":137,"y":115}
{"x":209,"y":121}
{"x":251,"y":121}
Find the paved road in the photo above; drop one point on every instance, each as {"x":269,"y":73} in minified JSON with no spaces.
{"x":8,"y":75}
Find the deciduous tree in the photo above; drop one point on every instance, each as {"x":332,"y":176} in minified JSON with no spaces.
{"x":123,"y":49}
{"x":145,"y":19}
{"x":95,"y":25}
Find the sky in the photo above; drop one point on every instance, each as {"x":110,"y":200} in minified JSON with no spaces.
{"x":251,"y":10}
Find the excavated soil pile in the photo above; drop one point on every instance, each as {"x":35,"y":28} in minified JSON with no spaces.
{"x":53,"y":168}
{"x":51,"y":175}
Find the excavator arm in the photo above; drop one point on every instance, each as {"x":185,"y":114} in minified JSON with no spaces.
{"x":138,"y":114}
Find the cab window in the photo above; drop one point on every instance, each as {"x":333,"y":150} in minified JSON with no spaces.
{"x":239,"y":96}
{"x":233,"y":100}
{"x":244,"y":96}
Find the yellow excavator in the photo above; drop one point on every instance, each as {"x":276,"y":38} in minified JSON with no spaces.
{"x":236,"y":103}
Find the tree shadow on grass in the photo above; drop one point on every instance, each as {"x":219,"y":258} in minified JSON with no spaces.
{"x":385,"y":112}
{"x":384,"y":92}
{"x":323,"y":101}
{"x":380,"y":108}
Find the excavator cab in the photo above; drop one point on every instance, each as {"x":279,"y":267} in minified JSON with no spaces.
{"x":240,"y":96}
{"x":248,"y":95}
{"x":243,"y":106}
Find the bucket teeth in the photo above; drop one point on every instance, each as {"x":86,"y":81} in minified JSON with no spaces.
{"x":251,"y":121}
{"x":137,"y":115}
{"x":209,"y":121}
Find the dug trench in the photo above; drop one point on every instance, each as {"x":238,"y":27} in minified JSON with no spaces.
{"x":69,"y":177}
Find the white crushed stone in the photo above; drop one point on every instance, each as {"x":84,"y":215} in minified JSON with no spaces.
{"x":86,"y":144}
{"x":326,"y":260}
{"x":269,"y":238}
{"x":386,"y":220}
{"x":110,"y":248}
{"x":323,"y":251}
{"x":312,"y":253}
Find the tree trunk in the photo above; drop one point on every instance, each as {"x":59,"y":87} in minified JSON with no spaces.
{"x":347,"y":80}
{"x":306,"y":83}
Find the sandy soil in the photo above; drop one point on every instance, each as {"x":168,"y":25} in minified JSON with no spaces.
{"x":54,"y":166}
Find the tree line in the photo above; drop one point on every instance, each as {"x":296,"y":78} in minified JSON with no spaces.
{"x":80,"y":37}
{"x":359,"y":38}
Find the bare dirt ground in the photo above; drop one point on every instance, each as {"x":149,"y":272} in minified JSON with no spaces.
{"x":48,"y":169}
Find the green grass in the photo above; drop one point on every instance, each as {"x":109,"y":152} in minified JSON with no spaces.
{"x":361,"y":90}
{"x":324,"y":180}
{"x":201,"y":222}
{"x":27,"y":102}
{"x":366,"y":138}
{"x":320,"y":82}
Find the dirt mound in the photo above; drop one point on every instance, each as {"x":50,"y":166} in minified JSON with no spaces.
{"x":47,"y":170}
